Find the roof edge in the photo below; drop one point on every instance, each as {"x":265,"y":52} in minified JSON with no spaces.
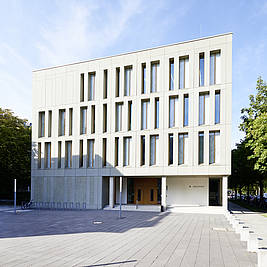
{"x":132,"y":52}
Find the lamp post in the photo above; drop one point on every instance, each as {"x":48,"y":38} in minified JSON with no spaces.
{"x":15,"y":196}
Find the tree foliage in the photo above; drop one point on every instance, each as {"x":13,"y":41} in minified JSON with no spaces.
{"x":15,"y":152}
{"x":255,"y":126}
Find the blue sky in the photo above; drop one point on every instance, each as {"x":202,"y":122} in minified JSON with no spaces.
{"x":36,"y":34}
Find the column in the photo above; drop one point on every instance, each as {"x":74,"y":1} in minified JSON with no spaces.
{"x":163,"y":193}
{"x":224,"y":192}
{"x":111,"y":192}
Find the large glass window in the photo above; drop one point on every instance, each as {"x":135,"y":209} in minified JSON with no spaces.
{"x":127,"y":151}
{"x":117,"y":93}
{"x":154,"y":76}
{"x":59,"y":155}
{"x":214,"y":147}
{"x":204,"y":108}
{"x":83,"y":116}
{"x":41,"y":124}
{"x":117,"y":151}
{"x":215,"y":67}
{"x":49,"y":123}
{"x":201,"y":69}
{"x":70,"y":120}
{"x":105,"y":84}
{"x":47,"y":155}
{"x":105,"y":121}
{"x":90,"y":153}
{"x":171,"y":74}
{"x":39,"y":155}
{"x":91,"y":85}
{"x":217,"y":107}
{"x":145,"y":114}
{"x":170,"y":149}
{"x":182,"y":148}
{"x":154,"y":142}
{"x":104,"y":152}
{"x":186,"y":103}
{"x":81,"y":154}
{"x":61,"y":124}
{"x":156,"y":113}
{"x":127,"y":80}
{"x":119,"y":116}
{"x":93,"y":119}
{"x":82,"y":87}
{"x":144,"y":78}
{"x":173,"y":114}
{"x":200,"y":147}
{"x":130,"y":115}
{"x":183,"y":72}
{"x":68,"y":154}
{"x":143,"y":150}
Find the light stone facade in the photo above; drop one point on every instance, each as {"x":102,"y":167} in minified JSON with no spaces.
{"x":59,"y":88}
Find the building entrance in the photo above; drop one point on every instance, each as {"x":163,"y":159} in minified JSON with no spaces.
{"x":215,"y":188}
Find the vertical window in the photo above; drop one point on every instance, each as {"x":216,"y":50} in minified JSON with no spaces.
{"x":105,"y":85}
{"x":143,"y":150}
{"x":92,"y":119}
{"x":47,"y":155}
{"x":200,"y":147}
{"x":41,"y":124}
{"x":83,"y":120}
{"x":154,"y":76}
{"x":154,"y":140}
{"x":170,"y":149}
{"x":70,"y":120}
{"x":82,"y":87}
{"x":171,"y":74}
{"x":215,"y":67}
{"x":81,"y":154}
{"x":156,"y":113}
{"x":117,"y":94}
{"x":118,"y":117}
{"x":39,"y":155}
{"x":217,"y":106}
{"x":143,"y":78}
{"x":105,"y":118}
{"x":130,"y":115}
{"x":126,"y":151}
{"x":117,"y":151}
{"x":184,"y":72}
{"x":173,"y":107}
{"x":91,"y":86}
{"x":59,"y":155}
{"x":186,"y":103}
{"x":68,"y":154}
{"x":201,"y":69}
{"x":90,"y":153}
{"x":104,"y":152}
{"x":49,"y":123}
{"x":204,"y":108}
{"x":144,"y":114}
{"x":214,"y":146}
{"x":61,"y":124}
{"x":127,"y":80}
{"x":182,"y":148}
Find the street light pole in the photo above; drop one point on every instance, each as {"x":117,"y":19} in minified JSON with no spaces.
{"x":15,"y":196}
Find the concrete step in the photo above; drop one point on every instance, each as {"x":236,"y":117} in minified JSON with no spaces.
{"x":154,"y":208}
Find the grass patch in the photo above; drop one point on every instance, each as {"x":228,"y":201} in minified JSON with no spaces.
{"x":249,"y":207}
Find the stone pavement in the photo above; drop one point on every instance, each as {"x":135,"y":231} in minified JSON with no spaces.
{"x":254,"y":220}
{"x":100,"y":238}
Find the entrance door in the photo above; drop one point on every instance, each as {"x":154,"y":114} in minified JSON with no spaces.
{"x":146,"y":191}
{"x":215,"y":192}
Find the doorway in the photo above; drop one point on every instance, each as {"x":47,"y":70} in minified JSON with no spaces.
{"x":215,"y":189}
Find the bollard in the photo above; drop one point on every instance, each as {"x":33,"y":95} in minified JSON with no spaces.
{"x":253,"y":243}
{"x":262,"y":257}
{"x":78,"y":206}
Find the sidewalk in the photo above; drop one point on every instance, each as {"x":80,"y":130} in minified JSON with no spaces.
{"x":254,"y":220}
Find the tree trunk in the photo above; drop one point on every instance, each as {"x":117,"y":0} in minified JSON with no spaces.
{"x":261,"y":191}
{"x":240,"y":192}
{"x":248,"y":193}
{"x":235,"y":192}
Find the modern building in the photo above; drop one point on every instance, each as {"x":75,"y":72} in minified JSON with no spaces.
{"x":158,"y":120}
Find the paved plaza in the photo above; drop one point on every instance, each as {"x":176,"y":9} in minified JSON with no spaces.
{"x":100,"y":238}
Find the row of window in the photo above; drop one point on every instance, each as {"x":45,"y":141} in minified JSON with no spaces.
{"x":127,"y":149}
{"x":215,"y":76}
{"x":204,"y":115}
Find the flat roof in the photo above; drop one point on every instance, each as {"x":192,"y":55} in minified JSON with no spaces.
{"x":132,"y":52}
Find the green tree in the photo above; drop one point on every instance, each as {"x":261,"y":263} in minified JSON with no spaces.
{"x":255,"y":126}
{"x":15,"y":152}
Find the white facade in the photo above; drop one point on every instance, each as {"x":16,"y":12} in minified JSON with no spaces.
{"x":98,"y":135}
